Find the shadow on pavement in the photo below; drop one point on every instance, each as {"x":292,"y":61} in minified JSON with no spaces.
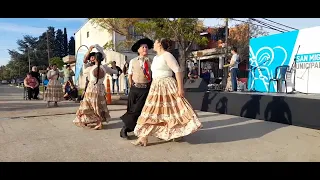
{"x":231,"y":133}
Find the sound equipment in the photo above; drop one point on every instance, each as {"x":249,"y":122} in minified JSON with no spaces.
{"x":195,"y":85}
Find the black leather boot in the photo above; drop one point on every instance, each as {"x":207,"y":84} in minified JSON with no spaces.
{"x":123,"y":132}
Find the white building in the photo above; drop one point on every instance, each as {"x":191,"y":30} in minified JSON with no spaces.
{"x":90,"y":34}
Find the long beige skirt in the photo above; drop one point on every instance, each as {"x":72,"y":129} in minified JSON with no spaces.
{"x":54,"y":91}
{"x":165,"y":114}
{"x":93,"y":108}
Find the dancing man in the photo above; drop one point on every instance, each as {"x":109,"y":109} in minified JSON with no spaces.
{"x":139,"y":77}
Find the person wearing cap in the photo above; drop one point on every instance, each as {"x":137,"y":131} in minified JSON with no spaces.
{"x":139,"y":76}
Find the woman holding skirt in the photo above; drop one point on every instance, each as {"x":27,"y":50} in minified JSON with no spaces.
{"x":93,"y":108}
{"x":54,"y":92}
{"x":166,"y":114}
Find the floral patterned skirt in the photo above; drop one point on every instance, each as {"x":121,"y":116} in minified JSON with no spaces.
{"x":166,"y":115}
{"x":93,"y":108}
{"x":54,"y":91}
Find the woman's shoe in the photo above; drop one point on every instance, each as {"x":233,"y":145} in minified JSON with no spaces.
{"x":142,"y":141}
{"x":177,"y":139}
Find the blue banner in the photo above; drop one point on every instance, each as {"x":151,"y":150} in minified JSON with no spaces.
{"x":79,"y":62}
{"x":266,"y":54}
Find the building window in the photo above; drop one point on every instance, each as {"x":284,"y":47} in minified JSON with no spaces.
{"x":88,"y":34}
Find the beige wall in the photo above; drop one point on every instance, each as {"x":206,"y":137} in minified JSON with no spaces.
{"x":97,"y":35}
{"x":101,"y":36}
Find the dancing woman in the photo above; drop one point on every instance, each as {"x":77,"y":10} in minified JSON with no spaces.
{"x":166,"y":113}
{"x":93,"y":108}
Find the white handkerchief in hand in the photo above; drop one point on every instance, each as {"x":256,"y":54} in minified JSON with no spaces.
{"x":100,"y":49}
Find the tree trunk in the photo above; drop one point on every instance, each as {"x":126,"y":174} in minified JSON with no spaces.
{"x":182,"y":62}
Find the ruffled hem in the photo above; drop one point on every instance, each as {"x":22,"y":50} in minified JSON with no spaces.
{"x":166,"y":133}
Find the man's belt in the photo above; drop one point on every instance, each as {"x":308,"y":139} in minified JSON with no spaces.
{"x":141,"y":85}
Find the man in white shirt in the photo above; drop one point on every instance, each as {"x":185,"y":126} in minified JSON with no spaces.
{"x":234,"y":62}
{"x":115,"y":77}
{"x":139,"y":76}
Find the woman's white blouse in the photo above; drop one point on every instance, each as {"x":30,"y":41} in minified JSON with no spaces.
{"x":163,"y":65}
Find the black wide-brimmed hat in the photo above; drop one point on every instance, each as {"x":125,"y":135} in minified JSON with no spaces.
{"x":146,"y":41}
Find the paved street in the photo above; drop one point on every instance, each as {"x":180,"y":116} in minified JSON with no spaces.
{"x":31,"y":132}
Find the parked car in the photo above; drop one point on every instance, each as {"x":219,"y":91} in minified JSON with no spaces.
{"x":19,"y":81}
{"x":4,"y":82}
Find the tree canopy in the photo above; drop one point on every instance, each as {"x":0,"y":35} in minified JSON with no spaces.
{"x":36,"y":48}
{"x":183,"y":31}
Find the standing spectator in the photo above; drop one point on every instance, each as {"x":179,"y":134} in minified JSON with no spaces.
{"x":126,"y":82}
{"x":35,"y":74}
{"x":234,"y":62}
{"x":205,"y":75}
{"x":115,"y":77}
{"x":68,"y":74}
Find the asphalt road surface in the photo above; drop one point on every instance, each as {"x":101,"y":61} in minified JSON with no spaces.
{"x":31,"y":132}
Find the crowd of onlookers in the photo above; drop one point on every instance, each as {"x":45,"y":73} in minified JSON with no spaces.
{"x":34,"y":79}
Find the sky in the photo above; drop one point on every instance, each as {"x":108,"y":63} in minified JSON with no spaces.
{"x":12,"y":29}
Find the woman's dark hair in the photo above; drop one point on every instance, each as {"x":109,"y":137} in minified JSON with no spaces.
{"x":165,"y":43}
{"x":91,"y":54}
{"x":99,"y":58}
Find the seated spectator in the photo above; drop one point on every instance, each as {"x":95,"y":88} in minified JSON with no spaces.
{"x":71,"y":92}
{"x":31,"y":84}
{"x":193,"y":74}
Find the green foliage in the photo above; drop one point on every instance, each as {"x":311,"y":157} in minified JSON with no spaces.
{"x":37,"y":49}
{"x":58,"y":44}
{"x":72,"y":46}
{"x":58,"y":61}
{"x":66,"y":46}
{"x":119,"y":25}
{"x":184,"y":31}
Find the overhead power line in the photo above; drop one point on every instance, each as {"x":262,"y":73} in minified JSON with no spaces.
{"x":263,"y":26}
{"x":280,"y":24}
{"x":269,"y":25}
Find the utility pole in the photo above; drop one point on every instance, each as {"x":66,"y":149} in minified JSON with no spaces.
{"x":225,"y":72}
{"x":48,"y":47}
{"x":29,"y":58}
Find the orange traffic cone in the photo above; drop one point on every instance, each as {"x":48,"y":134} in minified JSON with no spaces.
{"x":108,"y":91}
